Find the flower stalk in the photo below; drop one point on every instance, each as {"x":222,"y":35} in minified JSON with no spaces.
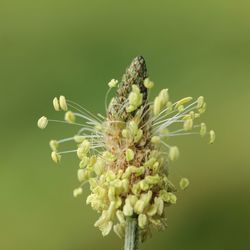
{"x":131,"y":234}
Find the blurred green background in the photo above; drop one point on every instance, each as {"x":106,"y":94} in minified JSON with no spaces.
{"x":48,"y":48}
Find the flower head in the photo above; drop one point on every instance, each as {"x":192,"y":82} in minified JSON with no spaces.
{"x":124,"y":155}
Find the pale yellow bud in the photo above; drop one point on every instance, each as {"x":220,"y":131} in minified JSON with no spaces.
{"x":148,"y":84}
{"x":56,"y":104}
{"x":184,"y":183}
{"x":42,"y":122}
{"x":63,"y":103}
{"x":113,"y":83}
{"x":173,"y":153}
{"x":203,"y":129}
{"x":77,"y":192}
{"x":129,"y":154}
{"x":142,"y":220}
{"x":55,"y":157}
{"x":69,"y":117}
{"x":212,"y":136}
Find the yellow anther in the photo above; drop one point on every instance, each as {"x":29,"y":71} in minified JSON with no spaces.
{"x":173,"y":153}
{"x":56,"y":104}
{"x":148,"y":84}
{"x":184,"y":183}
{"x":212,"y":136}
{"x":63,"y":103}
{"x":55,"y":157}
{"x":69,"y":117}
{"x":42,"y":122}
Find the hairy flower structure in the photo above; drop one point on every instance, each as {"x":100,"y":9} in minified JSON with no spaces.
{"x":125,"y":155}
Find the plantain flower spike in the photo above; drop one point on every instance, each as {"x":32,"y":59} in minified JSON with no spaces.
{"x":125,"y":154}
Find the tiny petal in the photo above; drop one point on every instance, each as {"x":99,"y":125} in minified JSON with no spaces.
{"x":63,"y":103}
{"x":184,"y":183}
{"x":42,"y":122}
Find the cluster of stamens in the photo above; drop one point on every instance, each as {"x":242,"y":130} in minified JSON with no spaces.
{"x":126,"y":160}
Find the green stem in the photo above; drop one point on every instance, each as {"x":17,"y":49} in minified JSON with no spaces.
{"x":131,"y":234}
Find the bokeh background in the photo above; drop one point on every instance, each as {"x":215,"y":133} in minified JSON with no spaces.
{"x":51,"y":47}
